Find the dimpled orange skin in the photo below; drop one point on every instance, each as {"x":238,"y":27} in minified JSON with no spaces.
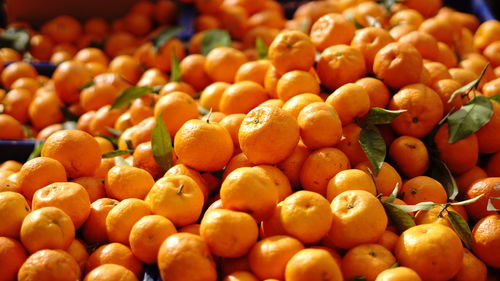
{"x":485,"y":240}
{"x":14,"y":255}
{"x":434,"y":251}
{"x":268,"y":135}
{"x":320,"y":125}
{"x":108,"y":272}
{"x":459,"y":156}
{"x":331,"y":29}
{"x":123,"y":182}
{"x":185,"y":256}
{"x":13,"y":210}
{"x":312,"y":264}
{"x":292,"y":50}
{"x":49,"y":265}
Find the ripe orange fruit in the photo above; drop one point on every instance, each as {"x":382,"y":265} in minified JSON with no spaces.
{"x":485,"y":241}
{"x":279,"y":179}
{"x":399,"y":273}
{"x":77,"y":151}
{"x":340,"y":64}
{"x":306,"y":216}
{"x":435,"y":215}
{"x":486,"y":138}
{"x":16,"y":104}
{"x":114,"y":253}
{"x":369,"y":41}
{"x":263,"y":123}
{"x":232,"y":123}
{"x":78,"y":250}
{"x":319,"y":125}
{"x":388,"y":239}
{"x":320,"y":166}
{"x":186,"y":256}
{"x":350,"y":101}
{"x":181,"y":169}
{"x":427,"y":8}
{"x":49,"y":265}
{"x":94,"y":229}
{"x":445,"y":88}
{"x":466,"y":179}
{"x":144,"y":159}
{"x":377,"y":91}
{"x":490,"y":187}
{"x":241,"y":97}
{"x":193,"y":71}
{"x":176,"y":197}
{"x":459,"y":156}
{"x":424,"y":110}
{"x":68,"y":78}
{"x":122,"y":217}
{"x":124,"y":182}
{"x":423,"y":189}
{"x":176,"y":108}
{"x":47,"y":228}
{"x":17,"y":70}
{"x":13,"y":210}
{"x":240,"y":276}
{"x":331,"y":29}
{"x":312,"y":264}
{"x":70,"y":197}
{"x":211,"y":95}
{"x":410,"y":155}
{"x":398,"y":65}
{"x":10,"y":128}
{"x":425,"y":44}
{"x":222,"y":63}
{"x":219,"y":225}
{"x":296,"y":82}
{"x":295,"y":104}
{"x":13,"y":255}
{"x":417,"y":248}
{"x":146,"y":237}
{"x":487,"y":33}
{"x":472,"y":268}
{"x":291,"y":50}
{"x":373,"y":257}
{"x":351,"y":179}
{"x":358,"y":218}
{"x":109,"y":272}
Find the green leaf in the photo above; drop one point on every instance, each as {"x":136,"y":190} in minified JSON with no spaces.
{"x":373,"y":22}
{"x":461,"y":228}
{"x":469,"y":87}
{"x":27,"y":132}
{"x":379,"y":116}
{"x":161,"y":144}
{"x":440,"y":172}
{"x":114,"y":131}
{"x":126,"y":96}
{"x":413,"y":208}
{"x":163,"y":37}
{"x":203,"y":111}
{"x":495,"y":98}
{"x":393,"y":195}
{"x":156,"y":89}
{"x":466,"y":202}
{"x":490,"y":206}
{"x":305,"y":25}
{"x":37,"y":150}
{"x":118,"y":152}
{"x":69,"y":125}
{"x":87,"y":85}
{"x":373,"y":146}
{"x":68,"y":116}
{"x":113,"y":140}
{"x":175,"y":74}
{"x":387,"y":4}
{"x":15,"y":38}
{"x":396,"y":264}
{"x":469,"y":118}
{"x":357,"y":278}
{"x":261,"y":48}
{"x":400,"y":218}
{"x":121,"y":161}
{"x":213,"y":39}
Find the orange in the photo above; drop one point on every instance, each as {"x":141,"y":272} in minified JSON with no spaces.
{"x":219,"y":226}
{"x":435,"y":215}
{"x":78,"y":250}
{"x":176,"y":197}
{"x":441,"y":29}
{"x":241,"y":97}
{"x":445,"y":88}
{"x":47,"y":228}
{"x":358,"y":218}
{"x":462,"y":76}
{"x":96,"y":26}
{"x":193,"y":139}
{"x":425,"y":44}
{"x":137,"y":24}
{"x":94,"y":229}
{"x":388,"y":239}
{"x":16,"y":104}
{"x":295,"y":104}
{"x":181,"y":169}
{"x":291,"y":50}
{"x":487,"y":33}
{"x":13,"y":255}
{"x":109,"y":272}
{"x":369,"y":41}
{"x":398,"y":65}
{"x":254,"y":71}
{"x":312,"y":264}
{"x":124,"y":182}
{"x":127,"y":67}
{"x":177,"y":86}
{"x":186,"y":256}
{"x":122,"y":217}
{"x":306,"y":216}
{"x":373,"y":257}
{"x":193,"y":71}
{"x":400,"y":273}
{"x":314,"y":10}
{"x":47,"y":131}
{"x":234,"y":19}
{"x":63,"y":29}
{"x":13,"y":210}
{"x":49,"y":265}
{"x":114,"y":253}
{"x":210,"y":96}
{"x":491,"y":88}
{"x":423,"y":189}
{"x":488,"y":187}
{"x":222,"y":63}
{"x":39,"y":172}
{"x":466,"y":179}
{"x":70,"y":197}
{"x":487,"y":139}
{"x":350,"y":101}
{"x":87,"y":55}
{"x":104,"y":118}
{"x":142,"y":108}
{"x":9,"y":55}
{"x":15,"y":71}
{"x":424,"y":110}
{"x":232,"y":123}
{"x":176,"y":108}
{"x":340,"y":64}
{"x":296,"y":82}
{"x":437,"y":71}
{"x":275,"y":250}
{"x":68,"y":78}
{"x":146,"y":237}
{"x":491,"y":53}
{"x":119,"y":43}
{"x":417,"y":248}
{"x":349,"y":144}
{"x":320,"y":166}
{"x":493,"y":167}
{"x":485,"y":241}
{"x":10,"y":128}
{"x":240,"y":276}
{"x":237,"y":161}
{"x":377,"y":91}
{"x":406,"y":17}
{"x":331,"y":29}
{"x":351,"y":179}
{"x":263,"y":123}
{"x":410,"y":155}
{"x":399,"y":31}
{"x":319,"y":125}
{"x":11,"y":165}
{"x":472,"y":268}
{"x":427,"y":8}
{"x":97,"y":96}
{"x":249,"y":190}
{"x":144,"y":159}
{"x":459,"y":156}
{"x":271,"y":81}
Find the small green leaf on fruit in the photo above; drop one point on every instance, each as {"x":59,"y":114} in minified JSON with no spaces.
{"x":305,"y":25}
{"x":373,"y":146}
{"x":396,"y":264}
{"x":261,"y":48}
{"x":393,"y":195}
{"x":400,"y":218}
{"x":213,"y":39}
{"x":466,"y":202}
{"x":115,"y":153}
{"x":461,"y":228}
{"x":440,"y":172}
{"x":373,"y":22}
{"x":175,"y":74}
{"x":495,"y":98}
{"x":114,"y":131}
{"x":69,"y":125}
{"x":413,"y":208}
{"x":37,"y":150}
{"x":490,"y":206}
{"x":121,"y":161}
{"x":161,"y":144}
{"x":379,"y":116}
{"x":126,"y":96}
{"x":465,"y":90}
{"x":469,"y":118}
{"x":163,"y":37}
{"x":27,"y":132}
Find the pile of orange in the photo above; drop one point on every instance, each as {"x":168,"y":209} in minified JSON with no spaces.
{"x":251,"y":162}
